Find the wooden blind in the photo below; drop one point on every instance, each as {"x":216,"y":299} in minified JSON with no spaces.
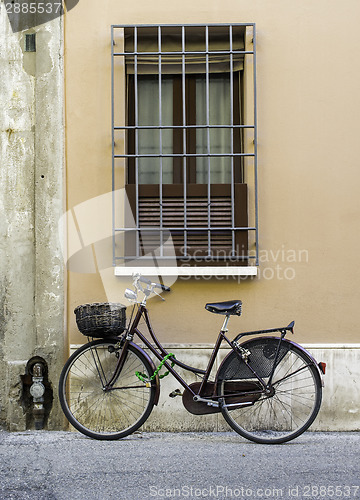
{"x":195,"y":233}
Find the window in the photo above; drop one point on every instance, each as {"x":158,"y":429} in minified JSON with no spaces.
{"x":187,"y":146}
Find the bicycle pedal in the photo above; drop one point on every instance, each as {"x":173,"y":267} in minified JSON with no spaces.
{"x":175,"y":393}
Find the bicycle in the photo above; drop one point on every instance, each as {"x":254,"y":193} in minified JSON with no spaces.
{"x":267,"y":388}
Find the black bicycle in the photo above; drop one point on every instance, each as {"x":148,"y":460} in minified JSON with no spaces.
{"x":268,"y":388}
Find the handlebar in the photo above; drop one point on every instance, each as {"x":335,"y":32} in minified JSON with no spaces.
{"x":155,"y":285}
{"x":131,"y":295}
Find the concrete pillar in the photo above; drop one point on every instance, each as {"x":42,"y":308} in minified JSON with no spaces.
{"x":31,"y":203}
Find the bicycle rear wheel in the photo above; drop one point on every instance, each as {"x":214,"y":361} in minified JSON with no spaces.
{"x":294,"y":400}
{"x":105,"y":414}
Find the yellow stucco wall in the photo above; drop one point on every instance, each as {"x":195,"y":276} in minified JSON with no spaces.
{"x":308,"y":73}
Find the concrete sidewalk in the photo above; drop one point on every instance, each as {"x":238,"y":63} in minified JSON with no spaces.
{"x":67,"y":466}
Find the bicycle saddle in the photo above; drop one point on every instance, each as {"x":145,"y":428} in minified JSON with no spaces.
{"x":229,"y":307}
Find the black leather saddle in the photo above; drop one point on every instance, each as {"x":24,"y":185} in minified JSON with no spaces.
{"x":231,"y":307}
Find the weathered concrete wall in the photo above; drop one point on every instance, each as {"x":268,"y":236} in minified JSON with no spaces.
{"x":31,"y":202}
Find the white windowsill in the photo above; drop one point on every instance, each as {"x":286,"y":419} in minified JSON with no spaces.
{"x":187,"y":271}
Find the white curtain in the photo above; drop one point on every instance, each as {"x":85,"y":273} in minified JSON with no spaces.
{"x":149,"y":139}
{"x":219,"y":139}
{"x":216,"y":140}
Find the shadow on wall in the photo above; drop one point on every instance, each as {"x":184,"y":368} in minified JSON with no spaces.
{"x":25,"y":14}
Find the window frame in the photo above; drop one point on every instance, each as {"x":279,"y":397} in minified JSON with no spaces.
{"x":246,"y":269}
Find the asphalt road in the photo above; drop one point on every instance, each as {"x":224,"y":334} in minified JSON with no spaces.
{"x":67,"y":466}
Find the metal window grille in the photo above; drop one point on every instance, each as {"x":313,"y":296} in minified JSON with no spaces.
{"x":209,"y":219}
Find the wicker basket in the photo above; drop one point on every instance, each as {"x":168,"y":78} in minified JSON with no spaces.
{"x":101,"y":320}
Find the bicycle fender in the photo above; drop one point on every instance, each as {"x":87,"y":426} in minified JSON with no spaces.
{"x":156,"y":379}
{"x":311,"y":358}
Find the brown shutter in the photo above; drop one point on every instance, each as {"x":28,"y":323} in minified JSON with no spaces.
{"x":197,"y":218}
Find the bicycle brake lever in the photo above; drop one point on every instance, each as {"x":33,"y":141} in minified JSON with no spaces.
{"x":162,"y":298}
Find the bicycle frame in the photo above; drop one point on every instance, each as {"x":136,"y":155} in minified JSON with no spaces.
{"x":160,"y":353}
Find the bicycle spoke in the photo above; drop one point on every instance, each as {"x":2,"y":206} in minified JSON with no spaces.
{"x":105,"y":414}
{"x":286,"y":412}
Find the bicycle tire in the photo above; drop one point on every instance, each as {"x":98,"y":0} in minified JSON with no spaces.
{"x":91,"y":410}
{"x":294,"y":403}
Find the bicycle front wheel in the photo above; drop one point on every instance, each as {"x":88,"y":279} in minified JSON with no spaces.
{"x":104,"y":414}
{"x":294,"y":398}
